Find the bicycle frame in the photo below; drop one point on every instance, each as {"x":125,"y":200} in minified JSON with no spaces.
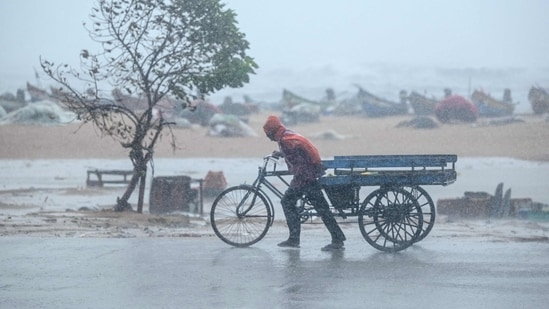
{"x":305,"y":208}
{"x":263,"y":174}
{"x":262,"y":180}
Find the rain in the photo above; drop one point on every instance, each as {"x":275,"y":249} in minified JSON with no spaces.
{"x":62,"y":247}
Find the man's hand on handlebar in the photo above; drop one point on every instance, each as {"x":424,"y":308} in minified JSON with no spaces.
{"x":277,"y":154}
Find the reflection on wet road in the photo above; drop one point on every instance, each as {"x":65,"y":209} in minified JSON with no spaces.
{"x":206,"y":273}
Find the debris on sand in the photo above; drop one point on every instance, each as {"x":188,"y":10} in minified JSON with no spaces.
{"x":502,"y":121}
{"x":39,"y":113}
{"x":421,"y":122}
{"x":485,"y":205}
{"x":229,"y":126}
{"x":455,"y":108}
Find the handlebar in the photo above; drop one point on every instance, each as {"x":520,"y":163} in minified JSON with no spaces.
{"x":273,"y":156}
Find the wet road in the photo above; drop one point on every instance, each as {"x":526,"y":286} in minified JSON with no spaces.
{"x":205,"y":273}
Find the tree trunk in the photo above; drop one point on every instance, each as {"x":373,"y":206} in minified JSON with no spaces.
{"x":139,"y":174}
{"x":142,"y":190}
{"x":122,"y":202}
{"x":139,"y":160}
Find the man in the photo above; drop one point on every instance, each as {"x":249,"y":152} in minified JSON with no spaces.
{"x":303,"y":161}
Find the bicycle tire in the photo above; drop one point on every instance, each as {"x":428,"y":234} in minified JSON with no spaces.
{"x":236,"y":221}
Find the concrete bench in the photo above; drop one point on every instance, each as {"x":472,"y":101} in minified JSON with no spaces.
{"x":113,"y":177}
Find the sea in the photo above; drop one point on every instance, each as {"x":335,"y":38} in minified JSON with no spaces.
{"x":384,"y":80}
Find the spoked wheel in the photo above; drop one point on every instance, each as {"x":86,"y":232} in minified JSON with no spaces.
{"x":241,"y":216}
{"x":428,"y":209}
{"x":390,"y":219}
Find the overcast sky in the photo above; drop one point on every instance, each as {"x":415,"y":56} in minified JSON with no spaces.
{"x":453,"y":33}
{"x":314,"y":33}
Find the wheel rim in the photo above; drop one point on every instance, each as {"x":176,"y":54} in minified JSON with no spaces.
{"x":428,"y":209}
{"x":236,"y":221}
{"x":390,"y":219}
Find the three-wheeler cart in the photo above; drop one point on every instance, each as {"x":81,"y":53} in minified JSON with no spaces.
{"x":392,"y":217}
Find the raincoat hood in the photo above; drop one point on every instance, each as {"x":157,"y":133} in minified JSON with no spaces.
{"x":273,"y":127}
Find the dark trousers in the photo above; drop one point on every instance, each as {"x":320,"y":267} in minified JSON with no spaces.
{"x":314,"y":195}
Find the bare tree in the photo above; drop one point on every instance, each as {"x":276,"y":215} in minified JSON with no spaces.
{"x":156,"y":50}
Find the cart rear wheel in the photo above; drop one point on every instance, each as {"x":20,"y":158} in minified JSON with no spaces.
{"x":390,"y":219}
{"x":241,"y":216}
{"x":428,"y":209}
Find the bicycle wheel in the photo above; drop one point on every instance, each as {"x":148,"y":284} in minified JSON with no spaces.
{"x":428,"y":209}
{"x":241,"y":216}
{"x":390,"y":219}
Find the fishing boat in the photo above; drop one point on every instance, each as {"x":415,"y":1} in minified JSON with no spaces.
{"x":421,"y":104}
{"x":375,"y":106}
{"x":290,"y":99}
{"x":36,"y":93}
{"x":296,"y":109}
{"x":539,"y":99}
{"x":491,"y":107}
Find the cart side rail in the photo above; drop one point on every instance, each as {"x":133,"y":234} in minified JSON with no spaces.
{"x":392,"y":161}
{"x":390,"y":170}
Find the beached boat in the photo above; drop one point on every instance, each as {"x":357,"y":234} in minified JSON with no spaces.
{"x":37,"y":94}
{"x":296,"y":109}
{"x":491,"y":107}
{"x":375,"y":106}
{"x":290,"y":99}
{"x":539,"y":99}
{"x":60,"y":95}
{"x":421,"y":104}
{"x":10,"y":102}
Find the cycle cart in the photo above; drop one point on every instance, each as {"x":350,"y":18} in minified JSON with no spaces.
{"x":394,"y":215}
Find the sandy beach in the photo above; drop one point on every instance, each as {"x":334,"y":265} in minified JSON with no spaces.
{"x":43,"y":190}
{"x":526,"y":140}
